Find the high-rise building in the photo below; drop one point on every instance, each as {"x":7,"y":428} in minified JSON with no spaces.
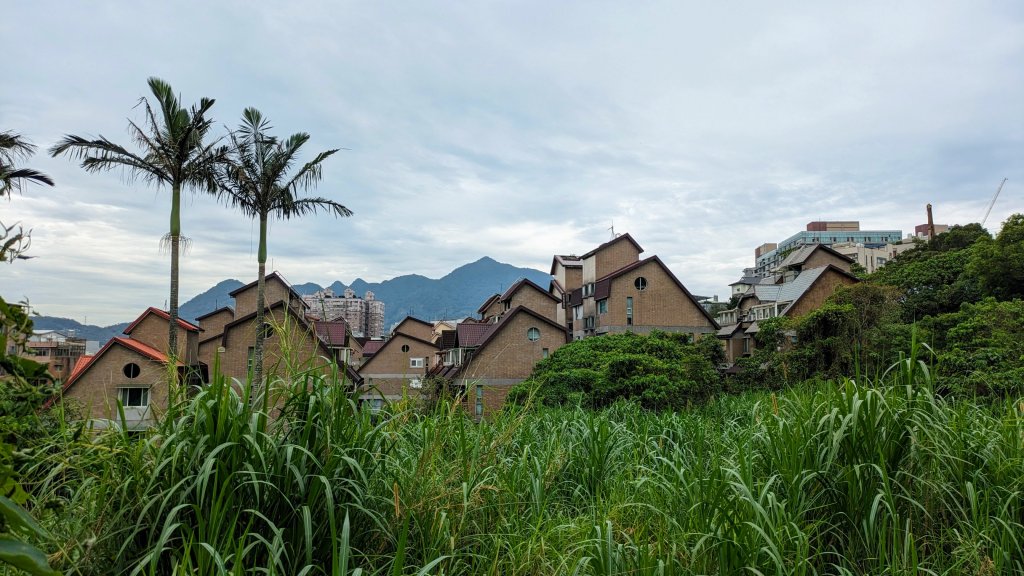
{"x":364,"y":316}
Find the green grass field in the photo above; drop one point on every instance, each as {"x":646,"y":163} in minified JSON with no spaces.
{"x":831,"y":478}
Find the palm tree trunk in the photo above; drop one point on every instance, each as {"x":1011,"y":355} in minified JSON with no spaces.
{"x":260,"y":304}
{"x":175,"y":237}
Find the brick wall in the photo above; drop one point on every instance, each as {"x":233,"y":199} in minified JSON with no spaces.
{"x":823,"y":258}
{"x":816,"y":295}
{"x":539,"y":302}
{"x":275,"y":291}
{"x":661,"y":305}
{"x":152,"y":331}
{"x":290,"y":348}
{"x":416,"y":329}
{"x":388,"y":370}
{"x":98,"y":388}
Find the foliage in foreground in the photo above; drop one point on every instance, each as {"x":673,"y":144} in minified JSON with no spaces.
{"x":841,"y":478}
{"x":660,"y":371}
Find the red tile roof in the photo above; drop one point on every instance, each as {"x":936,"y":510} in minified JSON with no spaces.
{"x":371,"y":346}
{"x":151,"y":310}
{"x":473,"y":334}
{"x":333,"y":333}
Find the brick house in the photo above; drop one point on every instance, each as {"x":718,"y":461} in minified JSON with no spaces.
{"x":398,"y":368}
{"x":293,"y":342}
{"x":525,"y":293}
{"x":135,"y":369}
{"x":566,"y":276}
{"x":804,"y":293}
{"x":619,"y":292}
{"x":484,"y":360}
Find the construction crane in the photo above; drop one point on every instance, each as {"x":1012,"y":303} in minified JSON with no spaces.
{"x":993,"y":202}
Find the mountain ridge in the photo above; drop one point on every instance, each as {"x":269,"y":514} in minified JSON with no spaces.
{"x":455,"y":295}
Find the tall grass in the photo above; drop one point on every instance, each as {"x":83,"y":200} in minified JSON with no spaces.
{"x":842,"y":477}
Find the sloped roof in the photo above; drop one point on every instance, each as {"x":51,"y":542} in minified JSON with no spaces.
{"x":483,"y":307}
{"x":523,"y":283}
{"x":798,"y":292}
{"x":603,"y":285}
{"x":620,"y":238}
{"x":472,"y":334}
{"x":151,"y":310}
{"x":800,"y":255}
{"x":567,"y":261}
{"x":370,"y":347}
{"x":333,"y":332}
{"x":275,"y":275}
{"x":449,"y":339}
{"x":746,"y":280}
{"x":728,"y":330}
{"x":499,"y":326}
{"x":217,"y":311}
{"x":133,"y":345}
{"x":411,"y":319}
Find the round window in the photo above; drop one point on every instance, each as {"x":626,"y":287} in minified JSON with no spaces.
{"x":640,"y":283}
{"x":405,"y":347}
{"x":533,"y":334}
{"x":131,"y":370}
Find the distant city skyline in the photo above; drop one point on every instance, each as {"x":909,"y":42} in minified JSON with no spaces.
{"x":515,"y":131}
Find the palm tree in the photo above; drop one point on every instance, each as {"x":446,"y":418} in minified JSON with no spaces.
{"x":14,"y":147}
{"x":172,"y":152}
{"x":256,"y":180}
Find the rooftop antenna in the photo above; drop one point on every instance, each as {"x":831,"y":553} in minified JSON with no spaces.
{"x":993,"y":202}
{"x":612,"y":229}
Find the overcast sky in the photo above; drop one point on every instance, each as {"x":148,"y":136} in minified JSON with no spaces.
{"x":514,"y":130}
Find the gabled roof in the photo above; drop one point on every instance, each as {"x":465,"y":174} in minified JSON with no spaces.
{"x":411,"y":319}
{"x":522,"y":283}
{"x":332,"y":332}
{"x":151,"y":310}
{"x":217,"y":311}
{"x":567,"y":261}
{"x":471,"y":334}
{"x":288,"y":310}
{"x":746,"y":280}
{"x":798,"y":292}
{"x":800,"y":255}
{"x":389,"y":342}
{"x":370,"y":347}
{"x":133,"y":345}
{"x":498,"y":327}
{"x":602,"y":287}
{"x":275,"y":275}
{"x":483,"y":307}
{"x":726,"y":331}
{"x":623,"y":237}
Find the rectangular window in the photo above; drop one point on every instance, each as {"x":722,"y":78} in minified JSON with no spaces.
{"x":578,"y":312}
{"x":544,"y":352}
{"x":251,"y":360}
{"x":417,"y":362}
{"x":134,"y":397}
{"x":629,"y":310}
{"x":479,"y":400}
{"x":746,"y":345}
{"x":602,"y":306}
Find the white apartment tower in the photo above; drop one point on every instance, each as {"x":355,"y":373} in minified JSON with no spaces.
{"x":364,"y":316}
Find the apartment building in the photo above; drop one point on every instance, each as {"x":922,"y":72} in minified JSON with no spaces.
{"x":767,"y":260}
{"x":364,"y":316}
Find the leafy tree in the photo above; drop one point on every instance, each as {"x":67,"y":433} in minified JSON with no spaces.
{"x":173,"y":151}
{"x":258,"y":180}
{"x":14,"y":147}
{"x":931,"y":282}
{"x":661,"y":371}
{"x":980,"y":348}
{"x":999,"y":264}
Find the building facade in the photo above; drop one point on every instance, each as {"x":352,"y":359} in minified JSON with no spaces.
{"x":364,"y":316}
{"x":821,"y":232}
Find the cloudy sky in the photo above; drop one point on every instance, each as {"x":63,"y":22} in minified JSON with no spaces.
{"x":514,"y":130}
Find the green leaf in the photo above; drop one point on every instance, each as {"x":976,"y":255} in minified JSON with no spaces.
{"x":17,"y":517}
{"x":24,"y":557}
